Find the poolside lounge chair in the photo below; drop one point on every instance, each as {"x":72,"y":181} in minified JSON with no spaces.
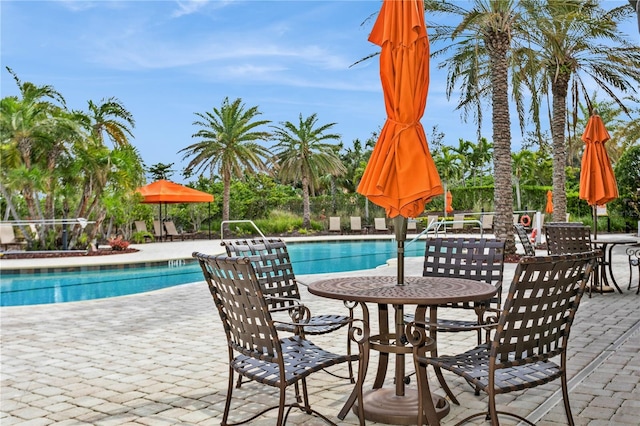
{"x":527,"y":245}
{"x":256,"y":351}
{"x":528,"y":345}
{"x":458,"y":222}
{"x":432,"y":223}
{"x":355,"y":223}
{"x":487,"y":222}
{"x":158,"y":232}
{"x":380,"y":224}
{"x":8,"y":238}
{"x":170,"y":227}
{"x":412,"y":226}
{"x":141,"y":226}
{"x":334,"y":224}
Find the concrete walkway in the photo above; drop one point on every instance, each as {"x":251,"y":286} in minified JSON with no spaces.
{"x":160,"y":357}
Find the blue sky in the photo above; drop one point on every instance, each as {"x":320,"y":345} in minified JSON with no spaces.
{"x":167,"y":60}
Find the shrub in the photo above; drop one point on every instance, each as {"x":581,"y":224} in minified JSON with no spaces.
{"x":118,"y":243}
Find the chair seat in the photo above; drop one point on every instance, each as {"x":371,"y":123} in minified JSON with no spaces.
{"x":473,"y":365}
{"x":301,"y":358}
{"x":319,"y":324}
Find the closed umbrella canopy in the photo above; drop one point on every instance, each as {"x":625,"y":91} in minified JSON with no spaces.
{"x":597,"y":181}
{"x":549,"y":207}
{"x":164,"y":191}
{"x":448,"y":202}
{"x":401,"y":175}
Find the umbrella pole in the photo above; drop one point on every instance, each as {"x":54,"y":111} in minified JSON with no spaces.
{"x":595,"y":222}
{"x":400,"y":228}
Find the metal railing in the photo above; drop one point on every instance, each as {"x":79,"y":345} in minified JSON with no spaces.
{"x":239,"y":221}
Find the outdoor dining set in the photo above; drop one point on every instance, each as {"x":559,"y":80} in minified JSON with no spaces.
{"x":521,"y":328}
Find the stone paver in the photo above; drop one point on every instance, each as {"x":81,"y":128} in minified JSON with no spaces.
{"x":160,"y":358}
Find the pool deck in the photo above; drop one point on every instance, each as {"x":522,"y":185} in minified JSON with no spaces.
{"x":160,"y":358}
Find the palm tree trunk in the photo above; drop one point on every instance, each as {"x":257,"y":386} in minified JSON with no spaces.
{"x":306,"y":208}
{"x":559,"y":104}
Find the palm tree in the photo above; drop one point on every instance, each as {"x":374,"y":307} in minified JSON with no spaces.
{"x":480,"y":62}
{"x":228,"y":144}
{"x":303,"y":155}
{"x":568,"y":41}
{"x":112,"y":119}
{"x":522,"y":166}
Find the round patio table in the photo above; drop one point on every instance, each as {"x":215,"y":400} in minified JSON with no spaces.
{"x":399,"y":405}
{"x":606,"y":262}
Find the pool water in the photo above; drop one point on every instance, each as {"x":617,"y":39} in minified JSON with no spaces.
{"x":307,"y":258}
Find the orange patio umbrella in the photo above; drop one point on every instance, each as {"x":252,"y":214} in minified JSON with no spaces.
{"x":549,"y":207}
{"x":448,"y":203}
{"x":401,"y":175}
{"x":166,"y":192}
{"x":597,"y":182}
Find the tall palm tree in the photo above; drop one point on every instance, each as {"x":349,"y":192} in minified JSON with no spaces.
{"x":303,"y":155}
{"x":228,"y":143}
{"x":522,"y":166}
{"x":573,"y":43}
{"x":480,"y":62}
{"x":111,"y":118}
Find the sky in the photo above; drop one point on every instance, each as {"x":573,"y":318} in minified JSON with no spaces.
{"x":167,"y":60}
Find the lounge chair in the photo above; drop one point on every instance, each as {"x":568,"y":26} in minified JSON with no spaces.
{"x":170,"y":227}
{"x":158,"y":232}
{"x":355,"y":223}
{"x":412,"y":226}
{"x":380,"y":224}
{"x":8,"y":238}
{"x":141,"y":226}
{"x":487,"y":222}
{"x":334,"y":224}
{"x":458,"y":222}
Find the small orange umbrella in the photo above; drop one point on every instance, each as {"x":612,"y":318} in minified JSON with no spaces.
{"x":449,"y":201}
{"x":401,"y":175}
{"x":549,"y":206}
{"x":597,"y":181}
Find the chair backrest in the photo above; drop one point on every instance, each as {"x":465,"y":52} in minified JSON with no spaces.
{"x":567,"y":237}
{"x":157,"y":228}
{"x":334,"y":224}
{"x":241,"y":304}
{"x":487,"y":221}
{"x":412,"y":225}
{"x":540,"y":307}
{"x":170,"y":227}
{"x":141,"y":226}
{"x":480,"y":259}
{"x":380,"y":224}
{"x":431,"y":221}
{"x":270,"y":260}
{"x":458,"y":221}
{"x":529,"y":249}
{"x":7,"y":236}
{"x":356,"y":223}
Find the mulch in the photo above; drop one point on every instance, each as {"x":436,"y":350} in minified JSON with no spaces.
{"x":60,"y":253}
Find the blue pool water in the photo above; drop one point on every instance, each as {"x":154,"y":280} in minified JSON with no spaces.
{"x":307,"y":258}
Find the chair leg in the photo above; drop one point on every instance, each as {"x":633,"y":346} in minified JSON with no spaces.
{"x":445,"y":386}
{"x":281,"y":405}
{"x":227,"y":403}
{"x":425,"y":401}
{"x":493,"y":413}
{"x":565,"y":399}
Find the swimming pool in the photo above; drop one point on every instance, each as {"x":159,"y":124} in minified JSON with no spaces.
{"x":307,"y":258}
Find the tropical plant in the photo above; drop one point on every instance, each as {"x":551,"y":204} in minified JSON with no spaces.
{"x":228,"y":144}
{"x":566,"y":46}
{"x":479,"y":63}
{"x":303,"y":155}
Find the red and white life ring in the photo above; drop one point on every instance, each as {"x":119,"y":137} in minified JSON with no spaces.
{"x":525,"y":220}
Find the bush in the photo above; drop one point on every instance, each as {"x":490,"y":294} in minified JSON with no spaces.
{"x":118,"y":243}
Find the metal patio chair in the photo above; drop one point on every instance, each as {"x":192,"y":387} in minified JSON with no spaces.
{"x":270,"y":259}
{"x":532,"y":328}
{"x":480,"y":259}
{"x":256,"y":352}
{"x":529,"y":249}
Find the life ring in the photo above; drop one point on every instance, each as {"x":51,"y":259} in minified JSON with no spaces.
{"x":525,"y":220}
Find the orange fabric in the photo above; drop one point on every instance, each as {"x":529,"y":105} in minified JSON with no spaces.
{"x":449,"y":201}
{"x":549,"y":206}
{"x":163,"y":191}
{"x":597,"y":181}
{"x":401,"y":175}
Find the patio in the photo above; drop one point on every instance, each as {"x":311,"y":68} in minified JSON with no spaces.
{"x":160,"y":358}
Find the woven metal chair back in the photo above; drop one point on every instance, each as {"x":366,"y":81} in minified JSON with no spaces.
{"x":539,"y":309}
{"x":241,"y":304}
{"x":271,"y":262}
{"x":529,"y":249}
{"x":567,"y":238}
{"x":480,"y":259}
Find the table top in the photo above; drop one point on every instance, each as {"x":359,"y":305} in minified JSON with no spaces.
{"x":610,"y":240}
{"x":416,"y":290}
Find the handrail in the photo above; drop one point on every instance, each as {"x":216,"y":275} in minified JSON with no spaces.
{"x":239,"y":221}
{"x":79,"y":220}
{"x":438,"y":224}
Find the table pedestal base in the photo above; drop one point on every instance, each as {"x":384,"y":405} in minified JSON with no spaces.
{"x":384,"y":406}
